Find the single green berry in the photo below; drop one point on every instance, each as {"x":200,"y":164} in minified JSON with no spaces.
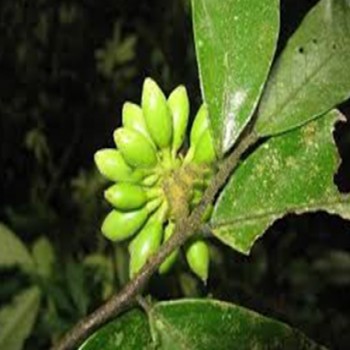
{"x":204,"y":152}
{"x":157,"y":114}
{"x":133,"y":119}
{"x":170,"y":260}
{"x":180,"y":107}
{"x":145,"y":244}
{"x":126,"y":196}
{"x":112,"y":165}
{"x":118,"y":226}
{"x":135,"y":148}
{"x":200,"y":124}
{"x":197,"y":256}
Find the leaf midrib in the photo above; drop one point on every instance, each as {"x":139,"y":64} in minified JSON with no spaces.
{"x":174,"y":333}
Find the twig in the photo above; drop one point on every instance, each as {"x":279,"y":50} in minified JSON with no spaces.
{"x":144,"y":303}
{"x":183,"y":230}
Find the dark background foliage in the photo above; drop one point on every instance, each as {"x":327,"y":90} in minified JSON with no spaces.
{"x":66,"y":68}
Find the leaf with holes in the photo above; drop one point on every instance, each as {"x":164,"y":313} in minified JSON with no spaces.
{"x":312,"y":75}
{"x":291,"y":173}
{"x":234,"y":59}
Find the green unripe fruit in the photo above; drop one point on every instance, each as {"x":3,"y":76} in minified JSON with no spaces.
{"x":118,"y":226}
{"x":180,"y":107}
{"x":157,"y":114}
{"x":135,"y":148}
{"x":145,"y":244}
{"x":154,"y":182}
{"x":170,"y":260}
{"x":112,"y":165}
{"x":200,"y":124}
{"x":197,"y":256}
{"x":133,"y":119}
{"x":126,"y":196}
{"x":189,"y":155}
{"x":204,"y":152}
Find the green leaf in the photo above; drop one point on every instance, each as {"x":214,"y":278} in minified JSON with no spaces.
{"x":44,"y":256}
{"x":12,"y":251}
{"x":17,"y":319}
{"x":196,"y":324}
{"x":312,"y":74}
{"x":235,"y":43}
{"x":209,"y":324}
{"x":291,"y":173}
{"x":128,"y":332}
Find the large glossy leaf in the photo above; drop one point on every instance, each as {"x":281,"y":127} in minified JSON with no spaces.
{"x":208,"y":324}
{"x":128,"y":332}
{"x":313,"y":73}
{"x":196,"y":324}
{"x":17,"y":319}
{"x":12,"y":251}
{"x":235,"y":42}
{"x":291,"y":173}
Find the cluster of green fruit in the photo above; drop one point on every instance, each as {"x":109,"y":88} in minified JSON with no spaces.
{"x":155,"y":182}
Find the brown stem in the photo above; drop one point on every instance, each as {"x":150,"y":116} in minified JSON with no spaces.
{"x":184,"y":229}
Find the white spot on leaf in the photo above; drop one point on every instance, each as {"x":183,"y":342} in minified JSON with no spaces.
{"x":233,"y":104}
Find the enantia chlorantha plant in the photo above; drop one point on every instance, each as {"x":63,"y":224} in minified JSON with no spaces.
{"x":157,"y":179}
{"x":269,"y":151}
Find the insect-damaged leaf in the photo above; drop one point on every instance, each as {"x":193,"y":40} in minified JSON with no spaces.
{"x":291,"y":173}
{"x":235,"y":42}
{"x":312,"y":74}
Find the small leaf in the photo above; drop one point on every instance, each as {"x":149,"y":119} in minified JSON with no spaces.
{"x":312,"y":75}
{"x":12,"y":251}
{"x":209,"y":324}
{"x":291,"y":173}
{"x":44,"y":256}
{"x":235,"y":43}
{"x":128,"y":332}
{"x":17,"y":319}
